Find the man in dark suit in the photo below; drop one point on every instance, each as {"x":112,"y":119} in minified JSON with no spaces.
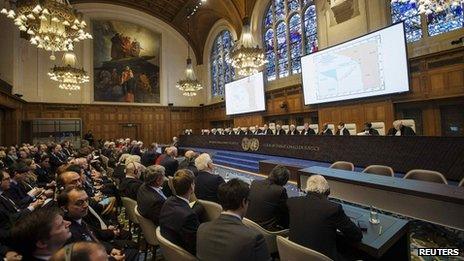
{"x":307,"y":130}
{"x":149,"y":157}
{"x":400,"y":130}
{"x":131,"y":183}
{"x":267,"y":131}
{"x":268,"y":200}
{"x":178,"y":222}
{"x":17,"y":192}
{"x":189,"y":162}
{"x":206,"y":183}
{"x":342,"y":131}
{"x":9,"y":211}
{"x":369,"y":131}
{"x":75,"y":204}
{"x":227,"y":238}
{"x":314,"y":220}
{"x":150,"y":197}
{"x":293,"y":130}
{"x":56,"y":159}
{"x":326,"y":130}
{"x":40,"y":234}
{"x":169,"y":162}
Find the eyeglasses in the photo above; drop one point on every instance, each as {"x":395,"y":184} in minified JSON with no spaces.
{"x":81,"y":203}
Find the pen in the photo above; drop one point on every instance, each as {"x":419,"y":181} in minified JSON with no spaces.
{"x":380,"y":230}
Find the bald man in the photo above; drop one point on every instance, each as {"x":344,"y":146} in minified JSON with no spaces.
{"x":169,"y":162}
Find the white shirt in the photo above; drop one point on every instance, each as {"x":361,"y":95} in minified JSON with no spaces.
{"x":341,"y":131}
{"x":398,"y":133}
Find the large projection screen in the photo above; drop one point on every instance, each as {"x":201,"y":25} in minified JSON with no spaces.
{"x":371,"y":65}
{"x":245,"y":95}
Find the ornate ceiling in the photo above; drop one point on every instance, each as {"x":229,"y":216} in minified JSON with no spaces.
{"x":175,"y":12}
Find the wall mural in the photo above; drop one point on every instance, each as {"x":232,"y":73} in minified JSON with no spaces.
{"x":126,"y":62}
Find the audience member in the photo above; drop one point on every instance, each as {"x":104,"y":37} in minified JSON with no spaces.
{"x":206,"y":183}
{"x":314,"y":220}
{"x":342,"y":131}
{"x":400,"y":130}
{"x":268,"y":200}
{"x":149,"y":156}
{"x":131,"y":183}
{"x":150,"y":196}
{"x":38,"y":235}
{"x":189,"y":162}
{"x":368,"y":130}
{"x":227,"y":238}
{"x":169,"y":162}
{"x":84,"y":251}
{"x":178,"y":222}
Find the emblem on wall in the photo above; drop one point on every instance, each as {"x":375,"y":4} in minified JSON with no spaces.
{"x":250,"y":144}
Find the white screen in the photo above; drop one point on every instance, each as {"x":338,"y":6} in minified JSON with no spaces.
{"x":374,"y":64}
{"x":245,"y":95}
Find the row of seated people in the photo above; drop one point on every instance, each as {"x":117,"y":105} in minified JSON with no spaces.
{"x":180,"y":222}
{"x":52,"y":194}
{"x":369,"y":129}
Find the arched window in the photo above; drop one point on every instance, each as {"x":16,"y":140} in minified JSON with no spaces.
{"x":290,"y":30}
{"x":221,"y":71}
{"x":437,"y":23}
{"x":404,"y":11}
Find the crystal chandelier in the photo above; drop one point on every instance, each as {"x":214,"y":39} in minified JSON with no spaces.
{"x":52,"y":25}
{"x":69,"y":76}
{"x":190,"y":85}
{"x":247,"y":57}
{"x":432,"y":6}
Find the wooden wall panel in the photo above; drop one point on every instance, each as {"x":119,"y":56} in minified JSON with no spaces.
{"x":149,"y":124}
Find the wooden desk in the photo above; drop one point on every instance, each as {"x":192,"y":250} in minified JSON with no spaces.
{"x":443,"y":154}
{"x":436,"y":203}
{"x":391,"y":244}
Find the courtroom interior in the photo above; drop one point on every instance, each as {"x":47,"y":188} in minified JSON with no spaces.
{"x":287,"y":130}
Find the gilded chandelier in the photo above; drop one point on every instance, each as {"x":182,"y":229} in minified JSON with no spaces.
{"x":190,"y":85}
{"x":247,"y":57}
{"x":52,"y":25}
{"x":69,"y":76}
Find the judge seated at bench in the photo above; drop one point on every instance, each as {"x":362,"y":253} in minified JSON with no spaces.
{"x":266,"y":130}
{"x":326,"y":130}
{"x":214,"y":131}
{"x":400,"y":130}
{"x":369,"y":131}
{"x":257,"y":130}
{"x":342,"y":131}
{"x":307,"y":130}
{"x":279,"y":130}
{"x":292,"y":130}
{"x":227,"y":131}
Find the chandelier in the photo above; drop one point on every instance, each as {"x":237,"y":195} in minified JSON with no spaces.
{"x":247,"y":57}
{"x":69,"y":76}
{"x":190,"y":85}
{"x":432,"y":6}
{"x":52,"y":25}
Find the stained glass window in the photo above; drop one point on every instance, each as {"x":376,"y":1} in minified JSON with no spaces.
{"x":290,"y":30}
{"x":221,"y":71}
{"x":407,"y":12}
{"x":446,"y":21}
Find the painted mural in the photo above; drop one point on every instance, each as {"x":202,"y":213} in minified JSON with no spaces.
{"x":126,"y":63}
